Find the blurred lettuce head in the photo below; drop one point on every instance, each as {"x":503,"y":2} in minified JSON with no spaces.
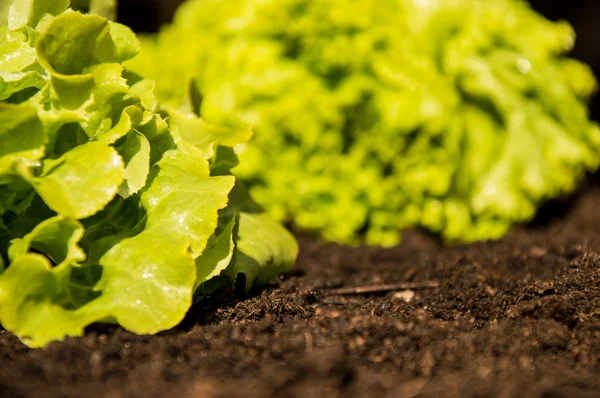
{"x":372,"y":116}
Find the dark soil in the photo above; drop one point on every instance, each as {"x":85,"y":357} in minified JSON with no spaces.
{"x":515,"y":318}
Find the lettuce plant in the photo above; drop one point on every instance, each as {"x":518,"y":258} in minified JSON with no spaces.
{"x":113,"y":208}
{"x":372,"y":116}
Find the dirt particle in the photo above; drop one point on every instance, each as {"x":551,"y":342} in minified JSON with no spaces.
{"x":405,"y":295}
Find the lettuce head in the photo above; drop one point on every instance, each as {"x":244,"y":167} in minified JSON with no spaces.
{"x":113,"y":207}
{"x":372,"y":116}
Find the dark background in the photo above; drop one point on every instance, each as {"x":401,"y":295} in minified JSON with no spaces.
{"x":584,"y":15}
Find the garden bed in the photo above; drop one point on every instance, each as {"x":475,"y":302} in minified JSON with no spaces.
{"x":518,"y":317}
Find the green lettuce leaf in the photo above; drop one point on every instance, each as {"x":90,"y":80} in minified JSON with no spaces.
{"x":219,"y":250}
{"x":22,"y":136}
{"x":56,"y":238}
{"x":104,"y":8}
{"x":264,"y":249}
{"x":82,"y":181}
{"x":135,"y":151}
{"x":30,"y":12}
{"x":30,"y":293}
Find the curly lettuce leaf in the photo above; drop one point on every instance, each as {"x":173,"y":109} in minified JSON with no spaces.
{"x":34,"y":290}
{"x":30,"y":292}
{"x":56,"y":238}
{"x":135,"y":152}
{"x":82,"y":181}
{"x":22,"y":136}
{"x":30,"y":12}
{"x":18,"y":69}
{"x":220,"y":250}
{"x":264,"y":249}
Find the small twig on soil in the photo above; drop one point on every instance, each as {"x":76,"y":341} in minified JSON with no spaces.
{"x":392,"y":287}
